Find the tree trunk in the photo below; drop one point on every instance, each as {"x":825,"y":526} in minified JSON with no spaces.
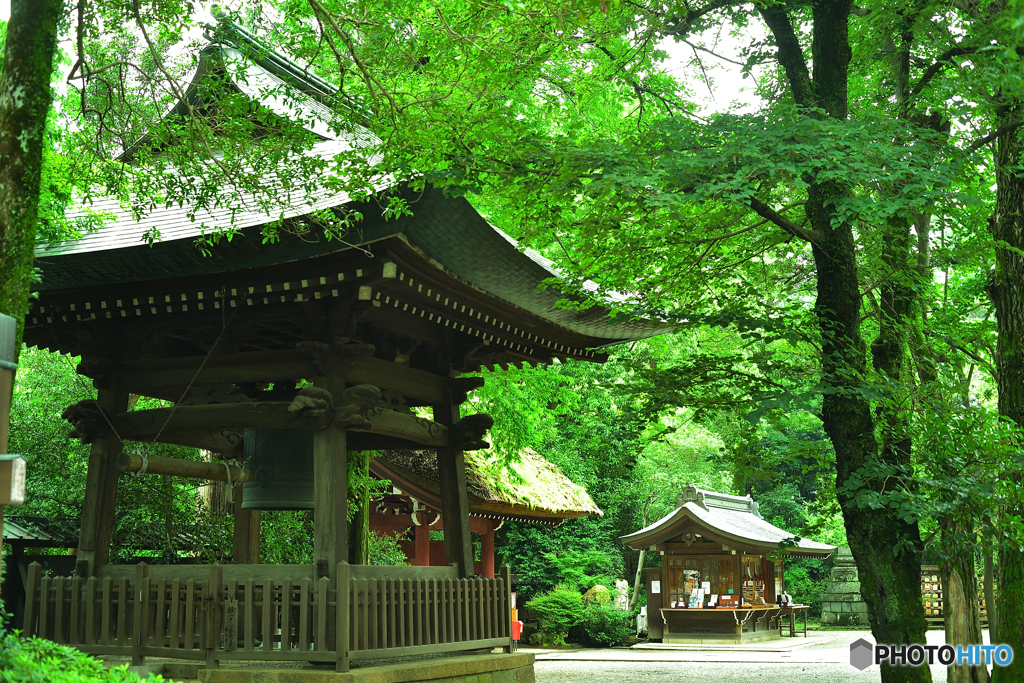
{"x":890,"y":582}
{"x":359,"y":531}
{"x":25,"y":100}
{"x":1007,"y":291}
{"x":637,"y":581}
{"x":960,"y":612}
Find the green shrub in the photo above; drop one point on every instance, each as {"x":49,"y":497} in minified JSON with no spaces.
{"x":34,"y":660}
{"x":605,"y":626}
{"x":558,"y":610}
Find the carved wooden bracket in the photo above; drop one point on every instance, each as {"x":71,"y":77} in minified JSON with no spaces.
{"x":87,"y":420}
{"x":468,"y":433}
{"x":355,"y":404}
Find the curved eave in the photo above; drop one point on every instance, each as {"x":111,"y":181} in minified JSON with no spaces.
{"x":446,"y":240}
{"x":683,"y":517}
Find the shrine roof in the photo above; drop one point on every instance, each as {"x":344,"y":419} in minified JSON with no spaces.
{"x":731,"y":520}
{"x":531,"y":488}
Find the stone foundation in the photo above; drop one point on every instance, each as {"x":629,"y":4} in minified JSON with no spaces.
{"x":491,"y":668}
{"x":842,"y":603}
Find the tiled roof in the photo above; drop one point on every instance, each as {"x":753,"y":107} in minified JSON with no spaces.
{"x":734,"y":517}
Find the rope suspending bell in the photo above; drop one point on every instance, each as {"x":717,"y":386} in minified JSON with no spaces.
{"x":145,"y":463}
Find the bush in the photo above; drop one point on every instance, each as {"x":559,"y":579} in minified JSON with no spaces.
{"x":35,"y":660}
{"x":558,"y":610}
{"x":605,"y":626}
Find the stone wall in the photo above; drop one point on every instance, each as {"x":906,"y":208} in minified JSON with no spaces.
{"x":492,"y":668}
{"x":842,"y":603}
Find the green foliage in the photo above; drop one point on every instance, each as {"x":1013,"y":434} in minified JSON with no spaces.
{"x":35,"y":660}
{"x":582,"y":569}
{"x":385,"y":550}
{"x":558,"y":610}
{"x":605,"y":626}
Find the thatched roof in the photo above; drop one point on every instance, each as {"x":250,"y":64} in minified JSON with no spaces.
{"x":531,"y":488}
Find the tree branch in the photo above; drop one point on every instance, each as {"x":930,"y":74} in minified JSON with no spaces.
{"x":970,"y":354}
{"x":790,"y":56}
{"x":765,"y":211}
{"x":944,"y":60}
{"x":1001,"y":130}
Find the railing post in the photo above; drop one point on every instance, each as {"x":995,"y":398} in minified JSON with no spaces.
{"x":140,"y":591}
{"x":342,"y":631}
{"x":28,"y":621}
{"x":211,"y":601}
{"x":506,"y":610}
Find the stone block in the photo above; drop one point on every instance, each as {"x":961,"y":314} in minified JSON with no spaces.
{"x":525,"y":675}
{"x":860,"y":607}
{"x":844,"y":607}
{"x":828,"y":618}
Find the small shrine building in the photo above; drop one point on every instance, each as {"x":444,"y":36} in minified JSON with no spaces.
{"x":722,"y":570}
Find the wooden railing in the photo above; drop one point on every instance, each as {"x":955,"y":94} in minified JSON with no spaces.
{"x":269,"y":612}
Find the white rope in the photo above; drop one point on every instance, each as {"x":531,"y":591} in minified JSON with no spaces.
{"x":231,"y":486}
{"x":145,"y":464}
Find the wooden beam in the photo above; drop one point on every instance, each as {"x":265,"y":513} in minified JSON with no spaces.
{"x":100,"y":491}
{"x":246,"y":534}
{"x":176,"y":467}
{"x":451,"y":471}
{"x":330,"y":482}
{"x":414,"y":384}
{"x":218,"y":423}
{"x":141,"y":376}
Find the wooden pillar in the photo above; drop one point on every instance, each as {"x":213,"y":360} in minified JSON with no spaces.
{"x":246,"y":533}
{"x":487,"y":551}
{"x":330,"y":484}
{"x":451,"y":471}
{"x":421,"y":546}
{"x":8,"y":350}
{"x":100,"y":490}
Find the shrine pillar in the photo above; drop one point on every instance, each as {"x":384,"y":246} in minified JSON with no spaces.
{"x":421,"y":546}
{"x":487,"y":551}
{"x":100,"y":490}
{"x":245,"y":546}
{"x":451,"y":473}
{"x":330,"y":483}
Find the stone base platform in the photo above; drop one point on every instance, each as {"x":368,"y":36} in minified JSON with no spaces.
{"x":486,"y":668}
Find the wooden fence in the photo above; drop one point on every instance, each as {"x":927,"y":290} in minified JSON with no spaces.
{"x":269,"y":612}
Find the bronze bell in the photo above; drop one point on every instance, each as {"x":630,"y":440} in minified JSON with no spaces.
{"x":282,"y":464}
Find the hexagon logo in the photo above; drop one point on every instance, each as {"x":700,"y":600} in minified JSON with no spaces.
{"x":861,"y":654}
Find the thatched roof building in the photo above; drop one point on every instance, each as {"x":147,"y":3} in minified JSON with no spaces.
{"x":529,"y":489}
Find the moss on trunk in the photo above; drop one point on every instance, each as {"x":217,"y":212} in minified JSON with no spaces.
{"x":1007,"y":292}
{"x":25,"y":100}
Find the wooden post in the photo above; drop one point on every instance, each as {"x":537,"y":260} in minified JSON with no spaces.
{"x":8,"y":349}
{"x":451,"y":472}
{"x":330,"y":481}
{"x":487,"y":551}
{"x":342,"y":571}
{"x":246,"y":534}
{"x":421,"y":546}
{"x":100,"y":490}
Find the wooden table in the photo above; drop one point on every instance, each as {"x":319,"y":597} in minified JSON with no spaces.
{"x":792,"y":612}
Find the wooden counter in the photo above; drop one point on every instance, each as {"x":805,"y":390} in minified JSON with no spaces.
{"x":739,"y":625}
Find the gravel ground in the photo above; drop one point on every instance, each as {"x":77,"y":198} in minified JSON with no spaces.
{"x":823,"y":657}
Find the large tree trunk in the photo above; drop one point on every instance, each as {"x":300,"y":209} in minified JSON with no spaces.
{"x":960,"y":612}
{"x":1007,"y":292}
{"x":890,"y":583}
{"x":24,"y":103}
{"x":359,"y":532}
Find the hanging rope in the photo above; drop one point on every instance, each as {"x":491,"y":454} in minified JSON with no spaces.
{"x":145,"y":463}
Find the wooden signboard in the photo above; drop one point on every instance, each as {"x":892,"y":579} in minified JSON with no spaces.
{"x":12,"y":480}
